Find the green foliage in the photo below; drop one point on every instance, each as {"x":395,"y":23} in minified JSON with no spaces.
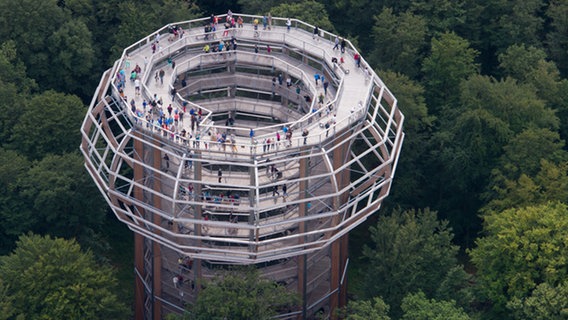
{"x":418,"y":126}
{"x":375,"y":309}
{"x":556,"y":40}
{"x":521,"y":249}
{"x":137,"y":19}
{"x":517,"y":21}
{"x":48,"y":196}
{"x":244,"y":295}
{"x":14,"y":85}
{"x":6,"y":308}
{"x":55,"y":188}
{"x":400,"y":42}
{"x":442,"y":15}
{"x":71,"y":50}
{"x":518,"y":61}
{"x":53,"y":279}
{"x":46,"y":36}
{"x":417,"y":307}
{"x":531,"y":171}
{"x":262,"y":7}
{"x":450,"y":62}
{"x":410,"y":251}
{"x":549,"y":184}
{"x":49,"y":123}
{"x":460,"y":286}
{"x":309,"y":11}
{"x":516,"y":104}
{"x":545,"y":303}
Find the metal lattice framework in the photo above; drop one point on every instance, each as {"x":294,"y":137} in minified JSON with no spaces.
{"x":164,"y":183}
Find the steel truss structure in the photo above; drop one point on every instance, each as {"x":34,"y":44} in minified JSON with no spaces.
{"x":199,"y":204}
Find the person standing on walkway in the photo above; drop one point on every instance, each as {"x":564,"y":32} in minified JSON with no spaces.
{"x":316,"y":33}
{"x":167,"y":159}
{"x":162,"y":73}
{"x":288,"y":24}
{"x":275,"y":191}
{"x":343,"y":44}
{"x":284,"y":191}
{"x":336,"y":46}
{"x":220,"y":175}
{"x":305,"y":135}
{"x":316,"y":77}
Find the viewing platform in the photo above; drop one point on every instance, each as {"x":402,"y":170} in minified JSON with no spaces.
{"x":238,"y":157}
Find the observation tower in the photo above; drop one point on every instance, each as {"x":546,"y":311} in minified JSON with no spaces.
{"x":203,"y":191}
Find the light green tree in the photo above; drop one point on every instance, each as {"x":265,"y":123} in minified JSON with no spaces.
{"x":6,"y":308}
{"x":375,"y":309}
{"x":417,"y":306}
{"x":521,"y":249}
{"x":545,"y":303}
{"x":531,"y":171}
{"x":53,"y":279}
{"x":241,"y":294}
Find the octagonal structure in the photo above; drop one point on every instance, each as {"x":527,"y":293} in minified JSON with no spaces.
{"x":239,"y":157}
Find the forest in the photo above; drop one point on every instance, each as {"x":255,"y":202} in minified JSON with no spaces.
{"x":475,"y":227}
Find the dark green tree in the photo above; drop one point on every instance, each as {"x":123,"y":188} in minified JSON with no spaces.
{"x":72,"y":57}
{"x":63,"y":200}
{"x":14,"y":87}
{"x":309,"y":11}
{"x":530,"y":66}
{"x":15,"y":214}
{"x":410,"y":251}
{"x":418,"y":127}
{"x":49,"y":123}
{"x":400,"y":41}
{"x":450,"y":62}
{"x":556,"y":40}
{"x":441,"y":15}
{"x":46,"y":34}
{"x":53,"y":279}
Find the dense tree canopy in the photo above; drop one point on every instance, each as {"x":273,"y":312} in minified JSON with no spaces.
{"x":410,"y":251}
{"x":50,"y":278}
{"x":521,"y":249}
{"x":418,"y":307}
{"x":244,"y":295}
{"x":483,"y":88}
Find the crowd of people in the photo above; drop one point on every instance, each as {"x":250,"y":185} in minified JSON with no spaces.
{"x":183,"y":122}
